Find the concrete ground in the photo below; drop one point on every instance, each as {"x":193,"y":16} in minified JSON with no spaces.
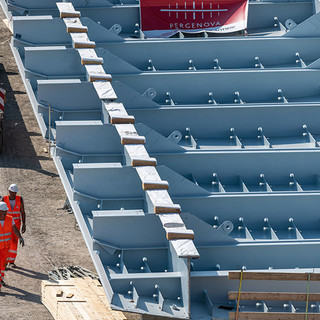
{"x":51,"y":237}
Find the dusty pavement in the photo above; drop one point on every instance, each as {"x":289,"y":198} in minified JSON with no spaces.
{"x":51,"y":238}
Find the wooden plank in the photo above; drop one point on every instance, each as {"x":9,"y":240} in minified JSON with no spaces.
{"x":138,"y":154}
{"x":86,"y":61}
{"x":64,"y":312}
{"x":74,"y":25}
{"x":117,"y":113}
{"x":162,"y":202}
{"x":47,"y":300}
{"x":82,"y":286}
{"x":140,"y":162}
{"x":88,"y":301}
{"x":67,"y":10}
{"x":73,"y":14}
{"x":49,"y":291}
{"x":86,"y":311}
{"x":151,"y":180}
{"x":282,"y":276}
{"x":78,"y":29}
{"x":274,"y":296}
{"x":155,"y":185}
{"x":93,"y":300}
{"x":133,"y":140}
{"x":173,"y":208}
{"x":173,"y":233}
{"x":273,"y":316}
{"x":89,"y":56}
{"x":97,"y":73}
{"x":121,"y":119}
{"x":59,"y":293}
{"x":99,"y":77}
{"x":110,"y":314}
{"x":84,"y":44}
{"x":82,"y":41}
{"x":96,"y":286}
{"x":70,"y":294}
{"x":65,"y":283}
{"x":78,"y":315}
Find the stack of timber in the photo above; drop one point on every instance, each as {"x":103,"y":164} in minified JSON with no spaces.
{"x":78,"y":298}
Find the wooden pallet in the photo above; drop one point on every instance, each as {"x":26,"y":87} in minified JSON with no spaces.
{"x":78,"y":299}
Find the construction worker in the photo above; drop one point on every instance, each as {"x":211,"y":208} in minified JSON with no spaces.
{"x":7,"y":230}
{"x":16,"y":211}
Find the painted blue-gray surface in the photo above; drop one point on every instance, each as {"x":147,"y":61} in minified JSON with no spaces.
{"x":234,"y":125}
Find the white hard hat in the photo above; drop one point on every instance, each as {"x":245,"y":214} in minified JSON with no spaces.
{"x":13,"y":187}
{"x":3,"y":206}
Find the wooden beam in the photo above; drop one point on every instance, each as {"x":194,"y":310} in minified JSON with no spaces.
{"x":73,"y":14}
{"x":274,"y":296}
{"x":155,"y":185}
{"x":179,"y":234}
{"x":77,"y":29}
{"x":99,"y":77}
{"x":86,"y":61}
{"x":82,"y":41}
{"x":174,"y":208}
{"x":84,"y":45}
{"x":97,"y":73}
{"x":273,"y":316}
{"x":121,"y":119}
{"x":282,"y":276}
{"x":136,"y":162}
{"x":133,"y":140}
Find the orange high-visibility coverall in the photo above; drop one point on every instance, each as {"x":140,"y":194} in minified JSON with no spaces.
{"x":15,"y":213}
{"x":5,"y":242}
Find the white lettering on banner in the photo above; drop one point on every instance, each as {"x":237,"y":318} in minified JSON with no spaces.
{"x":194,"y":25}
{"x":164,"y":18}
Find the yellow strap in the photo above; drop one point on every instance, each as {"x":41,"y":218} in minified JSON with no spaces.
{"x":239,"y":293}
{"x":307,"y":301}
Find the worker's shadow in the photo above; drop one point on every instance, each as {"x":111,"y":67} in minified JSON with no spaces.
{"x":21,"y":294}
{"x":18,"y":151}
{"x":28,"y":273}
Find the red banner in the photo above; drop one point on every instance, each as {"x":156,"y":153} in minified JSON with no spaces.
{"x":164,"y":18}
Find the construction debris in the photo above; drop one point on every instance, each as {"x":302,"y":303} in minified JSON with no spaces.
{"x":67,"y":207}
{"x":66,"y":273}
